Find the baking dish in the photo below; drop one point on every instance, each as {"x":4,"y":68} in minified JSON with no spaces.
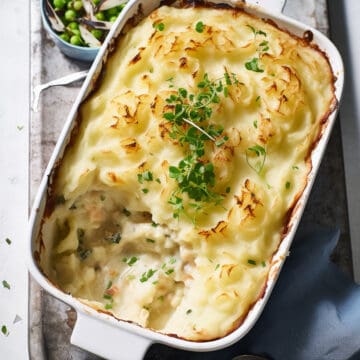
{"x":98,"y":335}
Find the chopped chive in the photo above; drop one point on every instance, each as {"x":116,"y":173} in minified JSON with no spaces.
{"x":158,"y":180}
{"x":228,"y":189}
{"x":154,"y":224}
{"x":263,"y":263}
{"x":287,"y":185}
{"x":251,"y":262}
{"x":295,"y":167}
{"x":8,"y":241}
{"x":109,"y":285}
{"x":102,"y":197}
{"x":107,"y":297}
{"x":255,"y":124}
{"x":145,"y":191}
{"x":258,"y":98}
{"x":6,"y":284}
{"x":172,"y":261}
{"x":169,"y":271}
{"x":108,"y":306}
{"x":4,"y":330}
{"x":132,"y":260}
{"x":217,"y":266}
{"x":189,"y":311}
{"x":124,"y":259}
{"x":150,"y":240}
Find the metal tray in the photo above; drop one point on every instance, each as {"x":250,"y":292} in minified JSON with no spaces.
{"x":51,"y":321}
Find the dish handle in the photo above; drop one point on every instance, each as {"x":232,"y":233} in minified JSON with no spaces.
{"x":272,"y":5}
{"x":106,"y":340}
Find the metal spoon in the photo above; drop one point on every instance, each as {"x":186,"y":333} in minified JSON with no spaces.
{"x":68,"y":79}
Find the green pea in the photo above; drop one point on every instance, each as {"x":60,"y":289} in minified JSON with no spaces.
{"x":78,"y":5}
{"x":76,"y":32}
{"x":70,"y":15}
{"x":111,"y":12}
{"x":97,"y":33}
{"x":76,"y":40}
{"x":100,"y":16}
{"x":65,"y":37}
{"x":73,"y":26}
{"x":113,"y":19}
{"x":59,"y":4}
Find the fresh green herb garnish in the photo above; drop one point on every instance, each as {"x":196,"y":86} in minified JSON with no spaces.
{"x":150,"y":240}
{"x":172,"y":261}
{"x":295,"y":167}
{"x":147,"y":275}
{"x":217,"y":266}
{"x":6,"y":284}
{"x":199,"y":27}
{"x":255,"y":31}
{"x":251,"y":262}
{"x":159,"y":26}
{"x":113,"y":238}
{"x":8,"y":241}
{"x":158,"y":180}
{"x":228,"y":189}
{"x":145,"y":176}
{"x":145,"y":191}
{"x":107,"y":296}
{"x":189,"y":311}
{"x":102,"y":197}
{"x":4,"y":330}
{"x":169,"y":271}
{"x":255,"y":124}
{"x":108,"y":306}
{"x":130,"y":261}
{"x":255,"y":157}
{"x":109,"y":285}
{"x":253,"y":65}
{"x":263,"y":263}
{"x":258,"y":98}
{"x":287,"y":185}
{"x":154,"y":224}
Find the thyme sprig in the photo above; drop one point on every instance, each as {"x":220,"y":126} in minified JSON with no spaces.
{"x":189,"y":117}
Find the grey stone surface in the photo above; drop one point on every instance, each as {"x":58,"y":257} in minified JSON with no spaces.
{"x":50,"y":320}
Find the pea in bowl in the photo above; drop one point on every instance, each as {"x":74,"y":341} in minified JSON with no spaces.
{"x":79,"y":27}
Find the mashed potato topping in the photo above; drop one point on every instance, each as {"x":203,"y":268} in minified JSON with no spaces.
{"x":175,"y":192}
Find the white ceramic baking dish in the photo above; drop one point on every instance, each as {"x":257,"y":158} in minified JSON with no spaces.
{"x":106,"y":336}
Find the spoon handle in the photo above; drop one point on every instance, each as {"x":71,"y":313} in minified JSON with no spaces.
{"x":68,"y":79}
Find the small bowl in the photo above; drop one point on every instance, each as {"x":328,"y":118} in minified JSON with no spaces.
{"x":75,"y":52}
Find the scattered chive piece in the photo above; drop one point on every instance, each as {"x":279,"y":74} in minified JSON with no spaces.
{"x":108,"y":306}
{"x":145,"y":191}
{"x":169,"y":271}
{"x":255,"y":124}
{"x":107,"y":296}
{"x":132,"y":260}
{"x":163,"y":266}
{"x":287,"y":185}
{"x":109,"y":285}
{"x":263,"y":263}
{"x":150,"y":240}
{"x":158,"y":180}
{"x":154,"y":224}
{"x":6,"y":284}
{"x":189,"y":311}
{"x":8,"y":241}
{"x":258,"y":98}
{"x":102,"y":197}
{"x":124,"y":259}
{"x":155,"y":282}
{"x":4,"y":330}
{"x":251,"y":262}
{"x":228,"y":189}
{"x":295,"y":167}
{"x":260,"y":153}
{"x":147,"y":275}
{"x":126,"y":212}
{"x":199,"y":27}
{"x":217,"y":266}
{"x":172,"y":261}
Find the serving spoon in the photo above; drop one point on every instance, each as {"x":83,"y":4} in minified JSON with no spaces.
{"x":65,"y":80}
